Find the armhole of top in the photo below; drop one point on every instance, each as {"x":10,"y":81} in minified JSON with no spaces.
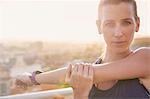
{"x":98,"y":60}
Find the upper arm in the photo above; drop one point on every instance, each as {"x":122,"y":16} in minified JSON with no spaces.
{"x":145,"y":57}
{"x":136,"y":65}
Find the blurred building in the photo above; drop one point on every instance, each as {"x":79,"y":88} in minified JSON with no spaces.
{"x":13,"y":64}
{"x":5,"y":64}
{"x":4,"y":81}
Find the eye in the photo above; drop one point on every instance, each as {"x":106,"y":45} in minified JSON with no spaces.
{"x":110,"y":24}
{"x":126,"y":23}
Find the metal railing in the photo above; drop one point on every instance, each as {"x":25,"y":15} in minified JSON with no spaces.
{"x":40,"y":94}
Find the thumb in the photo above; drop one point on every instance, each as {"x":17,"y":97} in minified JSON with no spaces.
{"x":68,"y":73}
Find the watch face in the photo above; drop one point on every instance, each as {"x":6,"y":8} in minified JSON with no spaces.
{"x":38,"y":72}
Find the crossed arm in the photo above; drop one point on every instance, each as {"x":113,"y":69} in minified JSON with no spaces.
{"x":81,"y":76}
{"x":136,"y":65}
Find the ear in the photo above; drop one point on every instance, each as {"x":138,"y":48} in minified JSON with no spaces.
{"x":137,"y":24}
{"x":98,"y":23}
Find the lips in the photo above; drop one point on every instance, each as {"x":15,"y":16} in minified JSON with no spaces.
{"x":118,"y":42}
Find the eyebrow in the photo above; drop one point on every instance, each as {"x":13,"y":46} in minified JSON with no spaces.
{"x":108,"y":21}
{"x":124,"y":19}
{"x":130,"y":19}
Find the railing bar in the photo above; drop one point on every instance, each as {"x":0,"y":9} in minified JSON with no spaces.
{"x":40,"y":94}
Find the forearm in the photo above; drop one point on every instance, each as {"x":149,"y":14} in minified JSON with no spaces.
{"x":52,"y":77}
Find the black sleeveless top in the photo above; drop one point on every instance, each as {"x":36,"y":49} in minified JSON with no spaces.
{"x":123,"y":89}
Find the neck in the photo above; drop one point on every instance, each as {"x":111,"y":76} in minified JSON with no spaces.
{"x":111,"y":56}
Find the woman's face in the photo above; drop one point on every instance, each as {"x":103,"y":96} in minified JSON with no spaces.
{"x":118,"y":24}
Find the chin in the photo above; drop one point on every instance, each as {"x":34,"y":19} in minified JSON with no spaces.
{"x":119,"y":49}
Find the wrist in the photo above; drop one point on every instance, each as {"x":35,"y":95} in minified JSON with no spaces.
{"x":33,"y":79}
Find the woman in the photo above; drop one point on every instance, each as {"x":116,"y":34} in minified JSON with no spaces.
{"x":117,"y":21}
{"x":122,"y":72}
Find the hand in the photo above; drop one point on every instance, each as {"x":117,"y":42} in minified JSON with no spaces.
{"x":80,"y":78}
{"x":21,"y":81}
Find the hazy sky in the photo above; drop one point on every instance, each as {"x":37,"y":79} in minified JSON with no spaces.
{"x":56,"y":20}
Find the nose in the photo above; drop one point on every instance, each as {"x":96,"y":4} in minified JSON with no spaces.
{"x":118,"y":32}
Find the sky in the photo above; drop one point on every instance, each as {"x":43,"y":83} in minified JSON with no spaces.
{"x":56,"y":20}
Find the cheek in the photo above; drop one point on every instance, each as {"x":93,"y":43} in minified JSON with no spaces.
{"x":129,"y":32}
{"x":107,"y":34}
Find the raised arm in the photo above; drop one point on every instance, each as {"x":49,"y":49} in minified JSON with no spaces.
{"x":136,"y":65}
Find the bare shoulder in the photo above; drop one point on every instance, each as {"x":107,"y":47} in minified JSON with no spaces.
{"x":143,"y":53}
{"x":142,"y":50}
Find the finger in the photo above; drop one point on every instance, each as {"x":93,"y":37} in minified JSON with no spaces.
{"x":20,"y":84}
{"x":91,"y":72}
{"x":85,"y":71}
{"x":68,"y":73}
{"x":87,"y":65}
{"x":82,"y":63}
{"x":76,"y":68}
{"x":80,"y":69}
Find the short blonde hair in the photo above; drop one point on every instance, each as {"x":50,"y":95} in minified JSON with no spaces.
{"x":106,"y":2}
